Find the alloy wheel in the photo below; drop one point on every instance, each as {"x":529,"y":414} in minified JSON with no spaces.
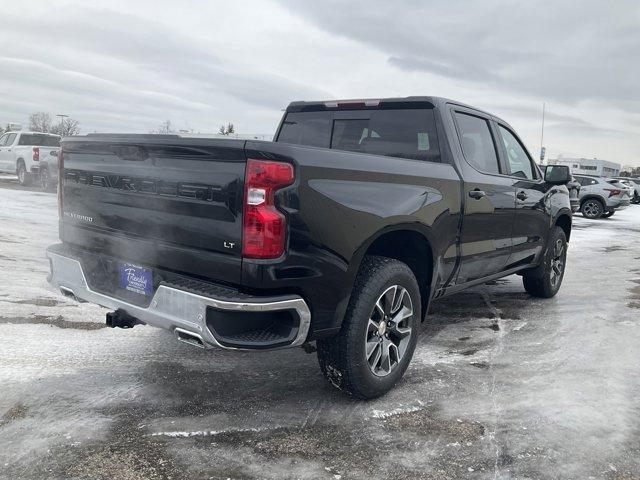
{"x":389,"y":330}
{"x":592,"y":209}
{"x":557,"y":262}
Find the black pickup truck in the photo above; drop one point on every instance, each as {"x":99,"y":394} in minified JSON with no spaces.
{"x":342,"y":230}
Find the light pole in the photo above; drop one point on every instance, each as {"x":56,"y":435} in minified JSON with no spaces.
{"x":542,"y":149}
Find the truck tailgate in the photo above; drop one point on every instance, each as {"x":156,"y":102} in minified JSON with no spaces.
{"x":169,"y":202}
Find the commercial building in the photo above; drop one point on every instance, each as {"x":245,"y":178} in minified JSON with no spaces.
{"x":589,"y":166}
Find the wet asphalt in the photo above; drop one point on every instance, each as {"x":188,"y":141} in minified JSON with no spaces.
{"x":501,"y":385}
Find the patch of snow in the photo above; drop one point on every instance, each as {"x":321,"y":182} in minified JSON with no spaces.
{"x":203,"y":433}
{"x":395,"y":411}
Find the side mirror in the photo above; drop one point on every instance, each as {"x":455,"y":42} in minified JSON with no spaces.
{"x":557,"y":174}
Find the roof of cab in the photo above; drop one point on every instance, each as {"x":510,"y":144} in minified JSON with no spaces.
{"x":373,"y":103}
{"x":34,"y":133}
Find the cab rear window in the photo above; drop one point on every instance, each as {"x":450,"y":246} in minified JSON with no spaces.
{"x":407,"y":133}
{"x":39,"y":140}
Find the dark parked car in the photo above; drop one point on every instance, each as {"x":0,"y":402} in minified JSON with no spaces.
{"x":342,"y":230}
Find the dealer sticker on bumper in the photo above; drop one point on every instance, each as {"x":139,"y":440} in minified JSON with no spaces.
{"x":136,"y":279}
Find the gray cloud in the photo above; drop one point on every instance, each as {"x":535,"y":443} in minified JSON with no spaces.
{"x":558,"y":121}
{"x":108,"y":62}
{"x":568,"y":51}
{"x":127,"y":66}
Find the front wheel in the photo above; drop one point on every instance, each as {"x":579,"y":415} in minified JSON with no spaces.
{"x":545,"y":280}
{"x":379,"y":332}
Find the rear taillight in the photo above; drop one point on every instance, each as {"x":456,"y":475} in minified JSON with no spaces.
{"x":36,"y":154}
{"x":60,"y":182}
{"x":613,"y":191}
{"x":264,"y":226}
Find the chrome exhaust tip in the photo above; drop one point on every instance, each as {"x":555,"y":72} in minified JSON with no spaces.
{"x":189,"y":337}
{"x":67,"y":292}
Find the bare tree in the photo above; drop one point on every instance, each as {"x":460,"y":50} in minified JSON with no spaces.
{"x":12,"y":127}
{"x":66,"y":128}
{"x":164,"y":128}
{"x":1,"y":130}
{"x":226,"y":130}
{"x":40,"y":122}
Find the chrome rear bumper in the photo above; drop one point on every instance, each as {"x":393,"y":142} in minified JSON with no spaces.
{"x":171,"y":308}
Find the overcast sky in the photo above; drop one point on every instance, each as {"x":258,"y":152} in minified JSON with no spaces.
{"x":129,"y":65}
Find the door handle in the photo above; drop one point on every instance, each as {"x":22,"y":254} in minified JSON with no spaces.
{"x":477,"y":193}
{"x":522,"y":196}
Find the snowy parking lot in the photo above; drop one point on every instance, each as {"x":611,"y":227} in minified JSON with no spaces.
{"x":502,"y":385}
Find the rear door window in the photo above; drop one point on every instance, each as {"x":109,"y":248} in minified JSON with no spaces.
{"x":477,"y":142}
{"x":403,"y":133}
{"x":586,"y":181}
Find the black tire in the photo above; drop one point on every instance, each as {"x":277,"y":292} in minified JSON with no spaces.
{"x":592,"y":208}
{"x":343,"y":359}
{"x":608,"y":214}
{"x":24,"y":177}
{"x":635,"y":199}
{"x":545,"y":280}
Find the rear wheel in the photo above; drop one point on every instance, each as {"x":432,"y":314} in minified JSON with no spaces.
{"x":379,"y":332}
{"x":24,"y":177}
{"x":592,"y":208}
{"x":545,"y":280}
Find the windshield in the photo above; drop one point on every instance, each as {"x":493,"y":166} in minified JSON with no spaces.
{"x":39,"y":140}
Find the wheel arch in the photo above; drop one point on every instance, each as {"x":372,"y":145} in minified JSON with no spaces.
{"x":593,"y":196}
{"x":409,"y":243}
{"x":564,"y":222}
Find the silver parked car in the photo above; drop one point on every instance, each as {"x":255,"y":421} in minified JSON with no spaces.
{"x":622,"y":184}
{"x":599,"y":198}
{"x":634,"y":183}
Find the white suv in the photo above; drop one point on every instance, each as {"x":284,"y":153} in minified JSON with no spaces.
{"x":21,"y":152}
{"x":599,"y":198}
